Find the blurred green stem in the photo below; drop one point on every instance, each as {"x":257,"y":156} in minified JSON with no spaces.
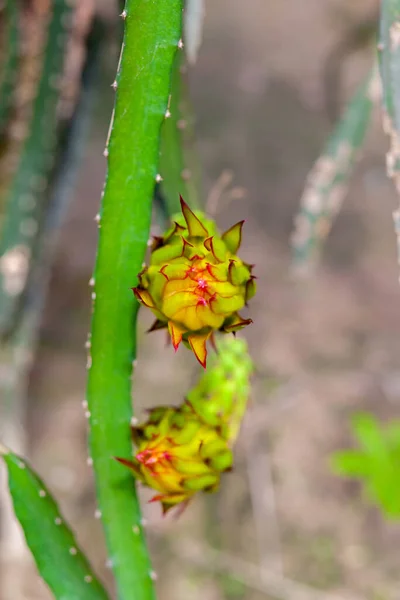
{"x":179,"y":165}
{"x":9,"y":68}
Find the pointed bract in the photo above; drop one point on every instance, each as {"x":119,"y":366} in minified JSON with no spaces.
{"x":157,"y":325}
{"x":198,"y":345}
{"x":235,"y":323}
{"x":157,"y":242}
{"x":131,"y":465}
{"x":233,"y":237}
{"x":194,"y":225}
{"x":250,"y":288}
{"x":216,"y":247}
{"x":144,"y":297}
{"x":176,"y":334}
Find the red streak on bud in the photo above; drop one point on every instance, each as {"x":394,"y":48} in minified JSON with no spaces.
{"x":152,"y":459}
{"x":162,"y":272}
{"x":145,"y":457}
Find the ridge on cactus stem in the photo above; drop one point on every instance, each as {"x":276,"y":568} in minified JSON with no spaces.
{"x":195,"y":283}
{"x":177,"y":455}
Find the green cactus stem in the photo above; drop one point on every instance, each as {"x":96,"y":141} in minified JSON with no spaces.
{"x":389,"y":59}
{"x":152,"y":38}
{"x":179,"y":168}
{"x":9,"y":67}
{"x":27,"y":196}
{"x":60,"y":562}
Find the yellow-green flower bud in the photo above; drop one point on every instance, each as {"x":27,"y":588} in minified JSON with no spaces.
{"x":177,"y":454}
{"x":195,"y":284}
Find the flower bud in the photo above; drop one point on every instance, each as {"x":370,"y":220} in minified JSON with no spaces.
{"x":195,"y":284}
{"x":177,"y":454}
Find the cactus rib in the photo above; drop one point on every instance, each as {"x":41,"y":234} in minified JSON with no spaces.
{"x":179,"y":165}
{"x":152,"y":33}
{"x":27,"y":196}
{"x":328,"y":181}
{"x":10,"y":64}
{"x":59,"y":560}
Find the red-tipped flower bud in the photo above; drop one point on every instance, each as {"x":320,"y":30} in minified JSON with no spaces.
{"x":195,"y":284}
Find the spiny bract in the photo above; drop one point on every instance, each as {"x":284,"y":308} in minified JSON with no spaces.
{"x":195,"y":284}
{"x":177,"y":454}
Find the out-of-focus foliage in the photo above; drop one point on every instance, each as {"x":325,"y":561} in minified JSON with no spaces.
{"x":376,"y":461}
{"x":27,"y":197}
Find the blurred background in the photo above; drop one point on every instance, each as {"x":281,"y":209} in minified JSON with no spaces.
{"x":270,"y":81}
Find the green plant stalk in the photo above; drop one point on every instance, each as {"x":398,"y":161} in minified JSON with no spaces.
{"x":179,"y":165}
{"x":9,"y":70}
{"x":389,"y":57}
{"x":152,"y":35}
{"x":329,"y":179}
{"x":26,"y":202}
{"x":389,"y":66}
{"x":60,"y":562}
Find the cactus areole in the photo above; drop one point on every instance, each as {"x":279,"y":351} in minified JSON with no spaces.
{"x":195,"y":284}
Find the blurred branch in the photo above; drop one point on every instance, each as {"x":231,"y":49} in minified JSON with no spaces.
{"x":193,"y":28}
{"x":270,"y":583}
{"x":389,"y":66}
{"x":328,"y":180}
{"x":356,"y":38}
{"x":26,"y":202}
{"x":221,"y":193}
{"x":262,"y":494}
